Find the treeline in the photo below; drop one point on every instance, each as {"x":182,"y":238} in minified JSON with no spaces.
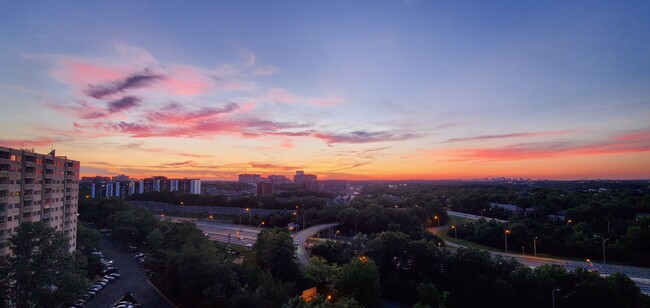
{"x":195,"y":272}
{"x":417,"y":272}
{"x":575,"y":239}
{"x":288,"y":201}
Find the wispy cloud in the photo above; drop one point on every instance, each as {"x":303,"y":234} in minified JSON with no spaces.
{"x":25,"y":143}
{"x":123,"y":103}
{"x":135,"y":81}
{"x":634,"y":142}
{"x":364,"y":137}
{"x":512,"y":135}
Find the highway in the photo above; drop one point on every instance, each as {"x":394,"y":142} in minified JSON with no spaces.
{"x":223,"y":232}
{"x":301,"y":238}
{"x":247,"y":235}
{"x":640,"y":275}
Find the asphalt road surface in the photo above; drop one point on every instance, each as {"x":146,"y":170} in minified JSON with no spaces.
{"x":640,"y":275}
{"x":301,"y":238}
{"x":133,"y":280}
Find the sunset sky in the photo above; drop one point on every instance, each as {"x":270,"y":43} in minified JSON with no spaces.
{"x":342,"y":89}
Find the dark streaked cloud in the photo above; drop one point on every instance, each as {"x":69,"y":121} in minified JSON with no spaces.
{"x":134,"y":81}
{"x":123,"y":103}
{"x":513,"y":135}
{"x":364,"y":137}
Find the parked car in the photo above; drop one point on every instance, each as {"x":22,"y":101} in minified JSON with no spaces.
{"x":138,"y":255}
{"x":115,"y":275}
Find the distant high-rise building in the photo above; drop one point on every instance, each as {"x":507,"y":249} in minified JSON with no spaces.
{"x":37,"y":187}
{"x":301,"y":178}
{"x":250,"y":178}
{"x":264,"y":188}
{"x":334,"y":186}
{"x":120,"y":178}
{"x":121,"y":189}
{"x":279,"y":179}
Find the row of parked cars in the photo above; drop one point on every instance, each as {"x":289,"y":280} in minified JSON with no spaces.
{"x":109,"y":275}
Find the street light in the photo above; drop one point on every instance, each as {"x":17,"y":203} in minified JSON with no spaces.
{"x":553,"y":296}
{"x":505,"y":234}
{"x":607,"y":224}
{"x":569,"y":222}
{"x":604,"y":259}
{"x":438,"y":219}
{"x":455,"y":231}
{"x":535,"y":246}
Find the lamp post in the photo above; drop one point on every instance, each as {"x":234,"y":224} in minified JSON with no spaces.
{"x":435,"y":217}
{"x":553,"y":296}
{"x":250,"y":215}
{"x":604,"y":259}
{"x":505,"y":234}
{"x":568,"y":222}
{"x":535,"y":246}
{"x":482,"y":210}
{"x":607,"y":224}
{"x":455,"y":231}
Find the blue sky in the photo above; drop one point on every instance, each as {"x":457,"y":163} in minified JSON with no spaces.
{"x":322,"y":85}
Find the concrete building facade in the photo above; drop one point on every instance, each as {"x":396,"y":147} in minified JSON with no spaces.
{"x":37,"y":187}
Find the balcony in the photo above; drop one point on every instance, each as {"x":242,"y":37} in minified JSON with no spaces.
{"x":5,"y":161}
{"x":5,"y":186}
{"x":28,"y":197}
{"x":4,"y":199}
{"x":4,"y":173}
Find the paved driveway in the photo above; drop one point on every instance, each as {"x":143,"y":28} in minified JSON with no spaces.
{"x":133,"y":280}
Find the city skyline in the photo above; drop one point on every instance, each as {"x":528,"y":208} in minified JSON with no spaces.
{"x":361,"y":90}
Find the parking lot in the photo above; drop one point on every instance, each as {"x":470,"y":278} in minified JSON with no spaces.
{"x":133,"y":279}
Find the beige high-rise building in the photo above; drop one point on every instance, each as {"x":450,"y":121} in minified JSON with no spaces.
{"x":37,"y":187}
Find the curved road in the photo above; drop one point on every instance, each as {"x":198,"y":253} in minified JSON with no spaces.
{"x":247,"y":235}
{"x":301,"y":238}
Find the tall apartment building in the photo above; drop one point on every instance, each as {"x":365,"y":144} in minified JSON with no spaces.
{"x":279,"y":179}
{"x":121,"y":189}
{"x":37,"y":187}
{"x":301,"y":178}
{"x":250,"y":178}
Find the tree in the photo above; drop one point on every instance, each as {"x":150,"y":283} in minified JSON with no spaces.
{"x":275,"y":252}
{"x":320,"y":273}
{"x":359,"y":279}
{"x":429,"y":296}
{"x":44,"y":271}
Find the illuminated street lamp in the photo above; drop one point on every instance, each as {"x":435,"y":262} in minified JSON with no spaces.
{"x":568,"y":222}
{"x":250,"y":215}
{"x":438,"y":219}
{"x":604,"y":259}
{"x":535,"y":246}
{"x":553,"y":296}
{"x":505,"y":234}
{"x":455,"y":231}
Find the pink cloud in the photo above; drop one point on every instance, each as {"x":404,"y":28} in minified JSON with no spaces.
{"x":620,"y":144}
{"x":326,"y":101}
{"x":77,"y":71}
{"x":26,"y":143}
